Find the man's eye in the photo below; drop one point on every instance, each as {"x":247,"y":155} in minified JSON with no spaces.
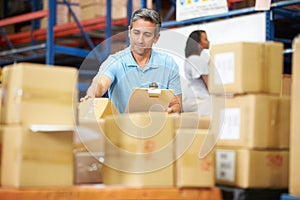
{"x":136,"y":32}
{"x":148,"y":34}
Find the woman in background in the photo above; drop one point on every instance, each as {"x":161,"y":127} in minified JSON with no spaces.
{"x":196,"y":97}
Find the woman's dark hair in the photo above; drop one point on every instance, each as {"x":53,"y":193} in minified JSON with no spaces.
{"x":192,"y":46}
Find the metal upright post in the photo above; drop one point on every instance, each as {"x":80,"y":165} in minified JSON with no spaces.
{"x":269,"y":25}
{"x":108,"y":28}
{"x":143,"y":4}
{"x":50,"y":33}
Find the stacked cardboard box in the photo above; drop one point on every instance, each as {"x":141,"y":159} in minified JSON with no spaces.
{"x":294,"y":175}
{"x":253,"y":127}
{"x":63,"y":14}
{"x":158,"y":150}
{"x":89,"y":139}
{"x":90,"y":9}
{"x":37,"y":123}
{"x":97,"y":8}
{"x":144,"y":149}
{"x":286,"y":85}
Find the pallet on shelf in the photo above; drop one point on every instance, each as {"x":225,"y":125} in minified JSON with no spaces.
{"x":88,"y":192}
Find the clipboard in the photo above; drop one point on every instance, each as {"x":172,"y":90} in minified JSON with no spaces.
{"x":149,"y":100}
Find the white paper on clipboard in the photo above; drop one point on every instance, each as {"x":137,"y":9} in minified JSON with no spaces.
{"x":149,"y":99}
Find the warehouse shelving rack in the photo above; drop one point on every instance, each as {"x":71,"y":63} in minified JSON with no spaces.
{"x":41,"y":43}
{"x":30,"y":38}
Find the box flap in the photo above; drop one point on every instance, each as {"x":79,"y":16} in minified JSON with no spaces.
{"x":149,"y":99}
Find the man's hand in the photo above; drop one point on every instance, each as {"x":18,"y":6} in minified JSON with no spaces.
{"x":175,"y":105}
{"x":86,"y":97}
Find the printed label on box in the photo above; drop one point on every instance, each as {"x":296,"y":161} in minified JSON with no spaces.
{"x":225,"y":165}
{"x":230,"y":127}
{"x":224,"y":63}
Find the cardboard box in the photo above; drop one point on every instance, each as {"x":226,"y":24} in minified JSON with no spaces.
{"x":139,"y":151}
{"x":246,"y":67}
{"x":39,"y":94}
{"x":0,"y":100}
{"x":191,"y":169}
{"x":95,"y":109}
{"x":89,"y":136}
{"x":286,"y":85}
{"x":154,"y":100}
{"x":1,"y":144}
{"x":253,"y":121}
{"x":294,"y":176}
{"x":252,"y":168}
{"x":88,"y":168}
{"x":37,"y":159}
{"x":191,"y":121}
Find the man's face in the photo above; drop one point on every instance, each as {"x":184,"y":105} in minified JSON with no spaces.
{"x":142,"y":36}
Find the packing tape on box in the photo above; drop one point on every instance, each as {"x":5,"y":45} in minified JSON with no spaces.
{"x":39,"y":95}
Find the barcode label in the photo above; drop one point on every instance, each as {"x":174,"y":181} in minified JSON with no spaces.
{"x":225,"y":165}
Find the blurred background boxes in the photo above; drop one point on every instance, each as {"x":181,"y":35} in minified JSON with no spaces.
{"x":246,"y":67}
{"x":36,"y":158}
{"x":294,"y":175}
{"x":88,"y":168}
{"x":37,"y":94}
{"x":247,"y":168}
{"x":191,"y":169}
{"x":139,"y":151}
{"x":38,"y":114}
{"x":254,"y":121}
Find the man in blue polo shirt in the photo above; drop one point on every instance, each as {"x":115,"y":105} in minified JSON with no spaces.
{"x":138,"y":65}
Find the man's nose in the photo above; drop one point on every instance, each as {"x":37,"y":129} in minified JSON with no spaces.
{"x":140,"y":38}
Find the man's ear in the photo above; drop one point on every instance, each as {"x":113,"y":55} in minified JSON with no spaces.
{"x":156,"y":38}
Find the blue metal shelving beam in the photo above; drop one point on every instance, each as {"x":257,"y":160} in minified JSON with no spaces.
{"x":71,"y":51}
{"x":22,"y":50}
{"x":228,"y":14}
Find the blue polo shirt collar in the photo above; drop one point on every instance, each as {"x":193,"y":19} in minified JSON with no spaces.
{"x":132,"y":63}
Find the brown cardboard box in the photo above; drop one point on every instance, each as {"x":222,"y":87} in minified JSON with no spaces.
{"x":63,"y":15}
{"x":95,"y":109}
{"x":88,"y":168}
{"x":286,"y":85}
{"x":253,"y":121}
{"x":97,"y":8}
{"x":252,"y":168}
{"x":191,"y":121}
{"x":89,"y":136}
{"x":139,"y":150}
{"x":246,"y":67}
{"x":89,"y":139}
{"x":294,"y":176}
{"x":37,"y":159}
{"x":191,"y":170}
{"x":39,"y":94}
{"x":0,"y":100}
{"x":1,"y":144}
{"x":90,"y":128}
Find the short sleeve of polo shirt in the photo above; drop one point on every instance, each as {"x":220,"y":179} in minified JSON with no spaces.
{"x":174,"y":76}
{"x":108,"y":68}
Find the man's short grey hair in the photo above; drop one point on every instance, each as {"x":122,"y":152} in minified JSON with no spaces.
{"x":147,"y":14}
